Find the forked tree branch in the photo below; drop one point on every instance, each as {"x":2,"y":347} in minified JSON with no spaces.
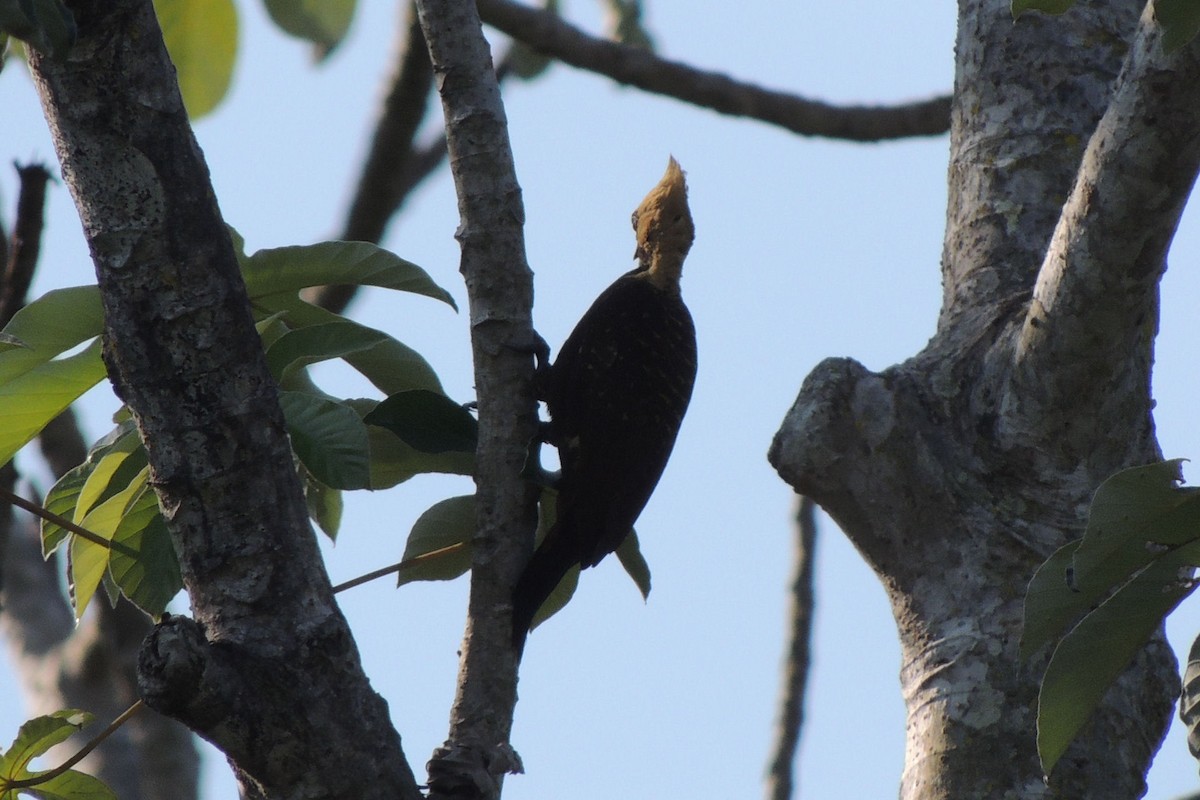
{"x":548,"y":33}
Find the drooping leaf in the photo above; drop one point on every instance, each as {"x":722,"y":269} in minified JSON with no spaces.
{"x":1136,"y":515}
{"x":144,"y":565}
{"x":1093,"y":654}
{"x":427,"y":421}
{"x":290,"y":269}
{"x":324,"y":505}
{"x":393,"y":461}
{"x":1180,"y":20}
{"x":63,"y":498}
{"x":89,"y":560}
{"x":322,"y":22}
{"x":299,"y":348}
{"x":439,"y":545}
{"x":202,"y":38}
{"x":37,"y":736}
{"x":1019,"y":7}
{"x":50,"y":326}
{"x":391,"y":366}
{"x":47,"y":25}
{"x":28,"y":402}
{"x":329,"y":438}
{"x":629,"y":553}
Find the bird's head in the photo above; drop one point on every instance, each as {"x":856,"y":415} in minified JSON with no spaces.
{"x":664,"y":229}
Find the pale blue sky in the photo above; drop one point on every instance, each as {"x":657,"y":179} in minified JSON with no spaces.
{"x":804,"y":249}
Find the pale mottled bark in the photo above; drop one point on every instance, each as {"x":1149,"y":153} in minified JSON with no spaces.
{"x":500,"y":294}
{"x":182,"y":352}
{"x":957,"y":472}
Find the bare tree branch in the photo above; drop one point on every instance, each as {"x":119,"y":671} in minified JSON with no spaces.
{"x":22,"y":254}
{"x":387,"y":174}
{"x":500,"y":292}
{"x":1097,"y":290}
{"x":634,"y":66}
{"x":781,"y":780}
{"x":182,"y":352}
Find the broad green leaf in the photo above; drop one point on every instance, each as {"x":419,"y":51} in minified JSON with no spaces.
{"x":1180,"y":20}
{"x":1051,"y":607}
{"x":71,"y":785}
{"x":47,"y":25}
{"x":50,"y":326}
{"x":439,"y":545}
{"x":63,"y":498}
{"x":1135,"y":516}
{"x":290,"y":269}
{"x":89,"y":560}
{"x":322,"y":22}
{"x":329,"y":438}
{"x":8,"y":342}
{"x":1094,"y":653}
{"x":202,"y":38}
{"x":37,"y":736}
{"x":145,"y":565}
{"x":324,"y":505}
{"x":113,"y":471}
{"x":393,"y":461}
{"x":30,"y":401}
{"x":391,"y":366}
{"x":629,"y":553}
{"x":1019,"y":7}
{"x":562,"y":594}
{"x":304,"y":346}
{"x":427,"y":421}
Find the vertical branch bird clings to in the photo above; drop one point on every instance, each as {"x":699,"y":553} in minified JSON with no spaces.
{"x":616,"y":395}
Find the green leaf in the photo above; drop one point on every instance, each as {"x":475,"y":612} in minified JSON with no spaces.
{"x":322,"y":22}
{"x":71,"y":785}
{"x":1180,"y":20}
{"x":36,"y":737}
{"x":30,"y":401}
{"x":439,"y":545}
{"x":63,"y":498}
{"x":145,"y":567}
{"x":201,"y":36}
{"x":629,"y":553}
{"x":1019,"y":7}
{"x":427,"y":421}
{"x":1094,"y":653}
{"x":329,"y":438}
{"x":49,"y":327}
{"x":47,"y":25}
{"x":337,"y":339}
{"x":562,"y":594}
{"x":1135,"y":516}
{"x":393,"y":461}
{"x":89,"y":561}
{"x":324,"y":505}
{"x":391,"y":366}
{"x":290,"y":269}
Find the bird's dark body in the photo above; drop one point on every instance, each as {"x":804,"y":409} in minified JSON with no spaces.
{"x":616,"y":394}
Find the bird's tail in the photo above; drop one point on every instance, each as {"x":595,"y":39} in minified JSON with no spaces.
{"x":550,"y":562}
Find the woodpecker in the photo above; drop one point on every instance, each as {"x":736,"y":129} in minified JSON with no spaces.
{"x":616,"y":395}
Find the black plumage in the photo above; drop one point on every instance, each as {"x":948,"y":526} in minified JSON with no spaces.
{"x":616,"y":394}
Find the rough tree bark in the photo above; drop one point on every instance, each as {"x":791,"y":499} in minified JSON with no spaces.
{"x":957,"y":472}
{"x":267,"y":641}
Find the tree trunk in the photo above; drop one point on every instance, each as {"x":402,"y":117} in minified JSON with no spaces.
{"x":959,"y":471}
{"x":268,"y":645}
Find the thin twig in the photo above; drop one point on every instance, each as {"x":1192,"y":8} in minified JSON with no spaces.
{"x":42,"y":777}
{"x":781,"y":773}
{"x":633,"y":66}
{"x":407,"y":563}
{"x":63,"y":522}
